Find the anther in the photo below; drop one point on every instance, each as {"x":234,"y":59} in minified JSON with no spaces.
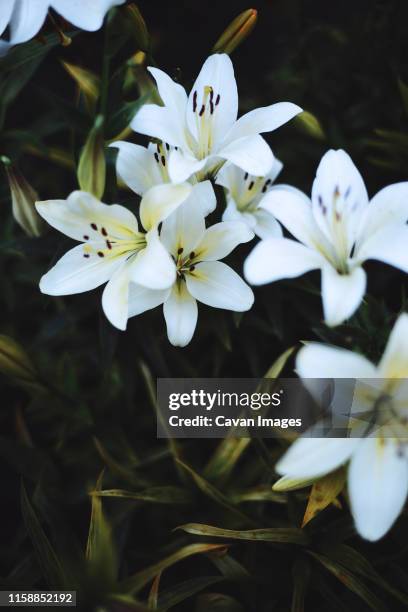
{"x":217,"y":100}
{"x":192,"y":255}
{"x":163,"y":160}
{"x":251,"y":184}
{"x":246,"y":176}
{"x":336,"y":192}
{"x":85,"y":237}
{"x":202,"y":109}
{"x":192,"y":268}
{"x":94,"y":226}
{"x":347,"y":193}
{"x":156,"y":157}
{"x":320,"y":200}
{"x":101,"y":254}
{"x":180,"y":250}
{"x":86,"y":255}
{"x":104,"y":232}
{"x":167,"y":146}
{"x":211,"y":107}
{"x":194,"y":102}
{"x":264,"y":188}
{"x":109,"y":244}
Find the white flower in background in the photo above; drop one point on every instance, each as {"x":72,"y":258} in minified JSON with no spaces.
{"x":141,"y":168}
{"x":201,"y":277}
{"x":112,"y":248}
{"x":26,"y":17}
{"x":338,"y":230}
{"x":245,"y":193}
{"x":378,"y":463}
{"x":204,"y":125}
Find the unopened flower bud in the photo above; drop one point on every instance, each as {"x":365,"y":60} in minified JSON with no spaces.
{"x":23,"y":198}
{"x":92,"y":164}
{"x":138,"y":27}
{"x":236,"y":32}
{"x":16,"y":364}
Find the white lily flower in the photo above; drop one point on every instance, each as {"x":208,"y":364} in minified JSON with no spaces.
{"x":26,"y":17}
{"x":336,"y":231}
{"x":245,"y":194}
{"x":204,"y":125}
{"x":113,"y":249}
{"x":201,"y":277}
{"x":378,"y":463}
{"x":141,"y":168}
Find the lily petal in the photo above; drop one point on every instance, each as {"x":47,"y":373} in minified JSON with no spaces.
{"x":378,"y":486}
{"x":388,"y":245}
{"x":181,"y":313}
{"x":182,"y":165}
{"x":115,"y":297}
{"x":315,"y":457}
{"x":26,"y":20}
{"x":251,"y":153}
{"x":158,"y":122}
{"x":277,"y":258}
{"x":394,"y":362}
{"x":320,"y":361}
{"x":265,"y":119}
{"x":134,"y":165}
{"x":266,"y":225}
{"x":82,"y":217}
{"x":216,"y":284}
{"x":85,"y":14}
{"x":341,"y":293}
{"x":75,"y":274}
{"x":220,"y":239}
{"x":5,"y":14}
{"x":388,"y":207}
{"x":142,"y":299}
{"x":217,"y":72}
{"x":160,"y":201}
{"x":185,"y":227}
{"x":153,"y":267}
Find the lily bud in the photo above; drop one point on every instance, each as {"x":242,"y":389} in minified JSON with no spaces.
{"x":309,"y":124}
{"x":23,"y":198}
{"x":92,"y":164}
{"x":16,"y":364}
{"x":88,"y":83}
{"x":236,"y":32}
{"x":138,"y":27}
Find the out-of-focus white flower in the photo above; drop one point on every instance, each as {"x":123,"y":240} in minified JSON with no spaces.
{"x":26,"y":17}
{"x":113,"y":248}
{"x":204,"y":127}
{"x":338,"y":230}
{"x":245,"y":193}
{"x":201,"y":277}
{"x":378,"y":463}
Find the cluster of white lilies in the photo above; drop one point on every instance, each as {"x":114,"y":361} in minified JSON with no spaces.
{"x":171,"y":257}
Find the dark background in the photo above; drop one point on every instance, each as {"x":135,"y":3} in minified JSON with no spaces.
{"x":344,"y":62}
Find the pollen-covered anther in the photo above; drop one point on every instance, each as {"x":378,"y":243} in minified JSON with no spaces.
{"x":94,"y":226}
{"x":192,"y":255}
{"x":180,"y":250}
{"x":104,"y":232}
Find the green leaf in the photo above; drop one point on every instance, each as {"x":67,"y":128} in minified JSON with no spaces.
{"x":290,"y":535}
{"x":120,"y":120}
{"x":138,"y":581}
{"x":174,"y":595}
{"x":155,"y":495}
{"x":324,"y":492}
{"x":50,"y":565}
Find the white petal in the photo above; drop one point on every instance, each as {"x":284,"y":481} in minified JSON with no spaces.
{"x":173,"y":95}
{"x":220,"y":239}
{"x":184,"y":228}
{"x":26,"y":19}
{"x":85,"y":14}
{"x":203,"y":197}
{"x":216,"y":284}
{"x":231,"y":177}
{"x":134,"y":165}
{"x":388,"y":207}
{"x":294,"y":210}
{"x":277,"y":258}
{"x":5,"y":13}
{"x":378,"y":486}
{"x":180,"y":312}
{"x":265,"y":119}
{"x":394,"y":362}
{"x":250,"y":153}
{"x":389,"y":245}
{"x":142,"y":299}
{"x":314,"y":457}
{"x":153,"y":267}
{"x":75,"y":274}
{"x":320,"y":361}
{"x":77,"y":216}
{"x":158,"y":122}
{"x":160,"y":201}
{"x":339,"y":199}
{"x":182,"y":165}
{"x":115,"y":297}
{"x":341,"y":293}
{"x":266,"y":225}
{"x":217,"y":72}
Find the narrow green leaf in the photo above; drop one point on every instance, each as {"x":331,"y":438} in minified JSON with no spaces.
{"x":156,"y":495}
{"x":174,"y":595}
{"x":290,"y":535}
